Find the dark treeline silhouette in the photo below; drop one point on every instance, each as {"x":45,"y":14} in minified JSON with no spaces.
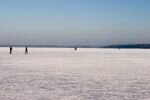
{"x":142,"y":46}
{"x":54,"y":46}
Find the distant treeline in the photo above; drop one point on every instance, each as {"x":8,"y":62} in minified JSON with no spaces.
{"x":143,"y":46}
{"x":53,"y":46}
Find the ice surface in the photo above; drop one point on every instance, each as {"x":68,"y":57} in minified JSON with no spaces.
{"x":65,"y":74}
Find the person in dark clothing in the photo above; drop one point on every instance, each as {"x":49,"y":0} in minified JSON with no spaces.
{"x":75,"y":49}
{"x":10,"y":49}
{"x":26,"y":50}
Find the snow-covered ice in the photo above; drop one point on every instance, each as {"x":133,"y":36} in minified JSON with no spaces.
{"x":65,"y":74}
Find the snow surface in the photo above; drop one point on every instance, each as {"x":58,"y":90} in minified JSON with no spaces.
{"x":65,"y":74}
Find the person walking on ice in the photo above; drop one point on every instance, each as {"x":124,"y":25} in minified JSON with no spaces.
{"x":26,"y":50}
{"x":75,"y":48}
{"x":10,"y":49}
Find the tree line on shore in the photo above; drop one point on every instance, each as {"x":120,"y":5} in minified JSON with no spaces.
{"x":142,"y":46}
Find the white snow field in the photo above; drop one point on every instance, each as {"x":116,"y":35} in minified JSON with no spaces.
{"x":65,"y":74}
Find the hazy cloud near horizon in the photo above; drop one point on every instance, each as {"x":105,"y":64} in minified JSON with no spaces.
{"x":74,"y":22}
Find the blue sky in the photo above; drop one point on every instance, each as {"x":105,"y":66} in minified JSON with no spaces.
{"x":73,"y":22}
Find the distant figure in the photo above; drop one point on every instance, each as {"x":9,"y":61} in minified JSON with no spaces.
{"x":75,"y":49}
{"x":26,"y":50}
{"x":10,"y":49}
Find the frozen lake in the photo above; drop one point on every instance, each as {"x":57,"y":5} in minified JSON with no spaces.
{"x":65,"y":74}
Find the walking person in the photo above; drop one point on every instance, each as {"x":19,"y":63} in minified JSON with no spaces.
{"x":10,"y":49}
{"x":26,"y":50}
{"x":75,"y":49}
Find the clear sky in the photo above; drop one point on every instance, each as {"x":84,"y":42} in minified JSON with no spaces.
{"x":74,"y":22}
